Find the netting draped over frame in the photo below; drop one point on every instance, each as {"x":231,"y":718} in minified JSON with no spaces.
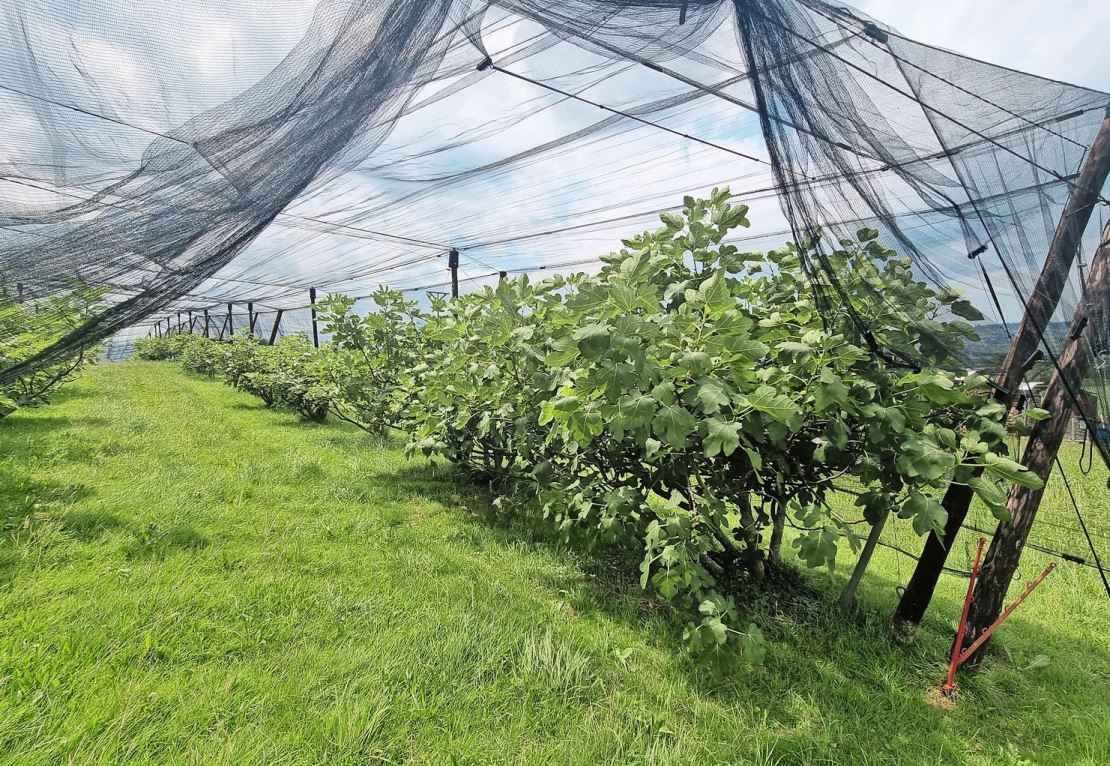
{"x":204,"y":153}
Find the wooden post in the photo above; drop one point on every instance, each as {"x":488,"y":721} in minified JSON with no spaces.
{"x":19,"y":291}
{"x":502,"y":276}
{"x":250,"y":317}
{"x":1044,"y":298}
{"x":230,"y":322}
{"x":190,"y":321}
{"x":453,"y":265}
{"x":1040,"y":451}
{"x":277,"y":323}
{"x":206,"y":323}
{"x":315,"y":329}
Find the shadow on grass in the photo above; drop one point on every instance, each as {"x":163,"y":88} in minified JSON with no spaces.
{"x":150,"y":541}
{"x":15,"y":428}
{"x":847,"y":669}
{"x":89,"y":525}
{"x":30,"y":506}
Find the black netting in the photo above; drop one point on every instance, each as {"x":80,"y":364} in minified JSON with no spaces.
{"x":205,"y":153}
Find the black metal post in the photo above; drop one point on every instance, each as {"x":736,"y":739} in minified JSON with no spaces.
{"x":277,"y":324}
{"x":453,"y":265}
{"x":315,"y":329}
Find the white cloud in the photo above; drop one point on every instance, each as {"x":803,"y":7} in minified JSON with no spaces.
{"x":1064,"y":40}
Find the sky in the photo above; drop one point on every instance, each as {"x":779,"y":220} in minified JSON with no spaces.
{"x":1061,"y":39}
{"x":202,"y":53}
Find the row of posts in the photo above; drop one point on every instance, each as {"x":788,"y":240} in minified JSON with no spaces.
{"x":452,"y":265}
{"x":188,"y":322}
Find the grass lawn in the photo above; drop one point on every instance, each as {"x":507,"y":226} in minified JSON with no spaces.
{"x":188,"y":578}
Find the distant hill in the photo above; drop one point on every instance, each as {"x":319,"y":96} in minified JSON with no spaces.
{"x":987,"y":354}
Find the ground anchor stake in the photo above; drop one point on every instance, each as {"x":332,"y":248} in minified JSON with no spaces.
{"x":959,"y":658}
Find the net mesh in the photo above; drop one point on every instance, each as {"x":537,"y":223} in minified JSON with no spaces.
{"x":205,"y":153}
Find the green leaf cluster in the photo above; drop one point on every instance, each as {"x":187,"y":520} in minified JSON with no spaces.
{"x":685,"y":400}
{"x":28,"y":327}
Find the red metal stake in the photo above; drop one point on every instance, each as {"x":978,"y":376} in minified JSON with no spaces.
{"x":949,"y":687}
{"x":958,"y":657}
{"x":994,"y":625}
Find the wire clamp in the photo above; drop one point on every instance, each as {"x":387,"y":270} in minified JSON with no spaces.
{"x":872,"y":30}
{"x":1079,"y":328}
{"x":1035,"y":357}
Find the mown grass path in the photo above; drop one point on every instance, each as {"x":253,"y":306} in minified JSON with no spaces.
{"x":187,"y":578}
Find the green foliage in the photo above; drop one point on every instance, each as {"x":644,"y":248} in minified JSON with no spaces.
{"x":679,"y":403}
{"x":291,"y":373}
{"x":374,"y":356}
{"x":202,"y":356}
{"x":687,"y":396}
{"x":161,"y":348}
{"x":31,"y":326}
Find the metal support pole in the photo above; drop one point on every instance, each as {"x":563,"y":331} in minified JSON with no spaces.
{"x":453,"y":265}
{"x":230,"y":322}
{"x":251,"y":316}
{"x":954,"y":661}
{"x":315,"y":329}
{"x":277,"y":324}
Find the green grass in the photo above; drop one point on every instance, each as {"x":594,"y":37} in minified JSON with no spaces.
{"x":187,"y":578}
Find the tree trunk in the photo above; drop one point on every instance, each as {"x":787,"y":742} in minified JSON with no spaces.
{"x":848,"y":596}
{"x":774,"y":548}
{"x":1040,"y":453}
{"x":1045,"y":296}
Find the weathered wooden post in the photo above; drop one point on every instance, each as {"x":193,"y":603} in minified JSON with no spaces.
{"x":1044,"y":298}
{"x":250,"y":317}
{"x":206,"y":323}
{"x":315,"y":329}
{"x":190,"y":311}
{"x":1040,"y":452}
{"x":230,"y":322}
